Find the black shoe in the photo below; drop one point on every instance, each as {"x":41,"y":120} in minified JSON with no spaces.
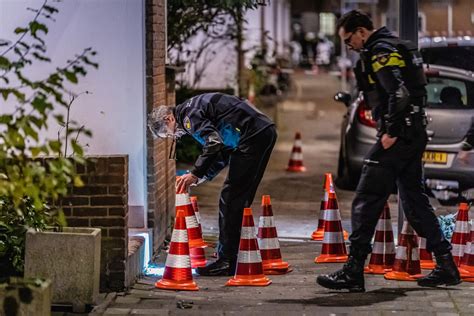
{"x":221,"y":267}
{"x":445,"y":273}
{"x":350,"y":277}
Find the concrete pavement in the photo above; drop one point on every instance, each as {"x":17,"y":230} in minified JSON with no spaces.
{"x":295,"y":199}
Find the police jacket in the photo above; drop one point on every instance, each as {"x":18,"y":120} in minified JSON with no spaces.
{"x":390,"y":74}
{"x":219,"y":122}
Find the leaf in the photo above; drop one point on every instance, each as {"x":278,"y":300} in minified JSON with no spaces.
{"x":5,"y":63}
{"x":78,"y":181}
{"x":70,"y":76}
{"x":20,"y":30}
{"x":77,"y":148}
{"x":50,"y":9}
{"x":41,"y":105}
{"x":55,"y":145}
{"x":35,"y":26}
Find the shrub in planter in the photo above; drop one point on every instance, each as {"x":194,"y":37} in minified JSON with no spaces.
{"x":29,"y":183}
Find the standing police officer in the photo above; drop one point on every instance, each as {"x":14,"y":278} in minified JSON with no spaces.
{"x":234,"y":133}
{"x":390,"y":74}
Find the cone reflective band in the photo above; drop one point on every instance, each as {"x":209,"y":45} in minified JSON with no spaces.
{"x":467,"y":264}
{"x":426,"y":259}
{"x":249,"y":269}
{"x":194,"y":203}
{"x":407,"y":261}
{"x":268,"y":241}
{"x":195,"y":206}
{"x":296,"y":158}
{"x":318,"y":234}
{"x":178,"y":275}
{"x":183,"y":202}
{"x":333,"y":248}
{"x":461,"y":233}
{"x":383,"y":250}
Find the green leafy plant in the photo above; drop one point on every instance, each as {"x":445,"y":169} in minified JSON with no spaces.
{"x":35,"y":172}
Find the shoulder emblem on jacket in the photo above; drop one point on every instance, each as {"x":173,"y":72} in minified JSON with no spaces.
{"x":187,"y":123}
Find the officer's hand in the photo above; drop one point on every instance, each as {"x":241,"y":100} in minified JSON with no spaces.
{"x":388,"y":141}
{"x":183,"y":182}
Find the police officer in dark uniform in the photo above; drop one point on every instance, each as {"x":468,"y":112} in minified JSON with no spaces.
{"x":390,"y":74}
{"x":233,"y":133}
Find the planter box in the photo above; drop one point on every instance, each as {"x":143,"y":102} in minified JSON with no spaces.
{"x":25,"y":297}
{"x":70,"y":259}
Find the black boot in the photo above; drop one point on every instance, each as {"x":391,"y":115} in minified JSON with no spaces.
{"x":221,"y":267}
{"x":445,"y":273}
{"x":350,"y":277}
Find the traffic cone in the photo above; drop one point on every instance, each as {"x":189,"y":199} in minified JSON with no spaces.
{"x":318,"y":234}
{"x":467,"y":265}
{"x":461,"y":233}
{"x":268,"y":241}
{"x":194,"y":203}
{"x":383,"y":252}
{"x":196,"y":243}
{"x":333,"y":249}
{"x":249,"y":269}
{"x":296,"y":158}
{"x":407,"y":260}
{"x":426,"y":259}
{"x":178,"y":274}
{"x":328,"y":186}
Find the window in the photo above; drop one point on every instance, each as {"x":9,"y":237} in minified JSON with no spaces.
{"x":327,"y":23}
{"x":447,"y":93}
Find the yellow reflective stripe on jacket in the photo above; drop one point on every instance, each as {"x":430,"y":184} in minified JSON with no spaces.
{"x":371,"y":80}
{"x":394,"y":59}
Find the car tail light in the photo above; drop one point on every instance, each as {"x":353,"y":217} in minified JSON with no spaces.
{"x":365,"y":115}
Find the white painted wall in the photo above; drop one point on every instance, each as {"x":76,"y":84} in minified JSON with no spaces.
{"x":115,"y":112}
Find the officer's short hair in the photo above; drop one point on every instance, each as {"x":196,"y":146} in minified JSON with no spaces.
{"x":354,"y":19}
{"x":156,"y":120}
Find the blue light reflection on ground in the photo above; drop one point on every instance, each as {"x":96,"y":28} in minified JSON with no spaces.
{"x":156,"y":270}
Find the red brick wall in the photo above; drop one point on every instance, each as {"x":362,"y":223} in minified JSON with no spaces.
{"x":160,"y":169}
{"x":103,"y":203}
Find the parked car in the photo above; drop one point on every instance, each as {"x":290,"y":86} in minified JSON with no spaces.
{"x":455,"y":52}
{"x":449,"y":121}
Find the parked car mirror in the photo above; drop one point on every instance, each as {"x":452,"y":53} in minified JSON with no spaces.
{"x":343,"y":97}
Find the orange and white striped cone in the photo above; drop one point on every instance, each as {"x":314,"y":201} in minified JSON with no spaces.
{"x":383,"y":252}
{"x":318,"y":234}
{"x":268,"y":241}
{"x":461,"y":233}
{"x":333,"y":249}
{"x":426,"y":259}
{"x":249,"y":271}
{"x":194,"y":203}
{"x":296,"y":158}
{"x":466,"y":269}
{"x":328,"y":186}
{"x":178,"y":274}
{"x":407,"y":259}
{"x":196,"y":243}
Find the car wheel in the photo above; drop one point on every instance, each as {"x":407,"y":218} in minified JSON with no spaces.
{"x":345,"y":179}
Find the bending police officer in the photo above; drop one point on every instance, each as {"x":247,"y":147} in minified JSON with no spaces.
{"x":233,"y":133}
{"x":392,"y":79}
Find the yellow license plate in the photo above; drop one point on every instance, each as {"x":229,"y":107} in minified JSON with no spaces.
{"x":435,"y":157}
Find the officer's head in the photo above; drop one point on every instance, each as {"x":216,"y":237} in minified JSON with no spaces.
{"x":162,"y":122}
{"x":354,"y":28}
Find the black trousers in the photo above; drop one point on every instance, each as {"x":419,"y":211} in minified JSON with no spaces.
{"x":246,"y":167}
{"x":399,"y":165}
